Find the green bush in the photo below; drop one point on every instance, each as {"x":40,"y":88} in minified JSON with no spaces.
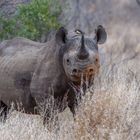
{"x":31,"y":20}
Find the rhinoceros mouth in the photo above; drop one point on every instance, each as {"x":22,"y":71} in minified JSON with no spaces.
{"x":82,"y":75}
{"x":82,"y":79}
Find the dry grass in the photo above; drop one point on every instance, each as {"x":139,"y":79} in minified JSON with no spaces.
{"x":113,"y":110}
{"x":111,"y":113}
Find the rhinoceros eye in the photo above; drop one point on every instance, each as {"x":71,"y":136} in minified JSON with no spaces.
{"x":68,"y":61}
{"x":96,"y":60}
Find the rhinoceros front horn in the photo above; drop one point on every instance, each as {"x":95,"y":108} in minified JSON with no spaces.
{"x":82,"y":54}
{"x":61,"y":35}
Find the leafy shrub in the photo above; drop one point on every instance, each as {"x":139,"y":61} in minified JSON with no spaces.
{"x":31,"y":21}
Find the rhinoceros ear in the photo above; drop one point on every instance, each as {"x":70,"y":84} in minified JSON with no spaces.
{"x":100,"y":35}
{"x":61,"y":35}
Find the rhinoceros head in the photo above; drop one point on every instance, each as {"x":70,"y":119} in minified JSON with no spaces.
{"x":79,"y":53}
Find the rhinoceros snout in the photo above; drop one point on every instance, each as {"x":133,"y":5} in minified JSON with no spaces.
{"x":85,"y":73}
{"x":77,"y":71}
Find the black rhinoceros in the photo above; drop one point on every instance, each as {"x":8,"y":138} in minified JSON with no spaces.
{"x":31,"y":72}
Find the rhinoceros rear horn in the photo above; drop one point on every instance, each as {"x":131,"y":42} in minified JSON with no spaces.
{"x":61,"y":35}
{"x":100,"y":35}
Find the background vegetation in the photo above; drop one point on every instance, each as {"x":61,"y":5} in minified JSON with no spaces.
{"x":31,"y":20}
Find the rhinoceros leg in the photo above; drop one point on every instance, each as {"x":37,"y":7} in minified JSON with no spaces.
{"x":51,"y":120}
{"x":72,"y":102}
{"x":22,"y":81}
{"x":4,"y":109}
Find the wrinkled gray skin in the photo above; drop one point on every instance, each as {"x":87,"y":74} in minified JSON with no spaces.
{"x":138,"y":1}
{"x":31,"y":73}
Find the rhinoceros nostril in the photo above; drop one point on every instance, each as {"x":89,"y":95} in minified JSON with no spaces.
{"x":74,"y":71}
{"x":90,"y":70}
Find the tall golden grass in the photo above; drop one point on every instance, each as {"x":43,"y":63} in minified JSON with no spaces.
{"x":110,"y":110}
